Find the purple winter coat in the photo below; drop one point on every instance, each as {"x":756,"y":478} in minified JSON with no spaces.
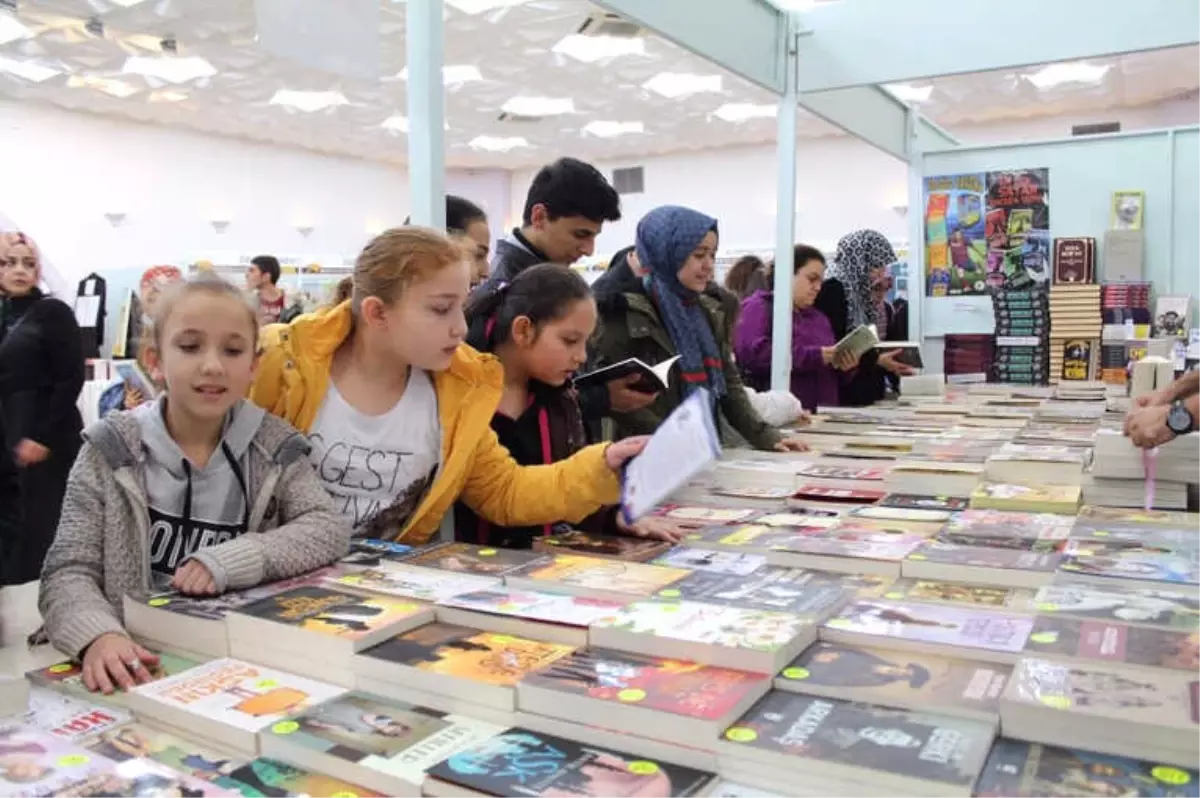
{"x":813,"y":382}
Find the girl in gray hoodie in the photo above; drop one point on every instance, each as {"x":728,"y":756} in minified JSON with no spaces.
{"x":199,"y":491}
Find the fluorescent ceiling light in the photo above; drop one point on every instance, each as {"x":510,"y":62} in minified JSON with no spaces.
{"x":172,"y":69}
{"x":497,"y":144}
{"x":11,"y":29}
{"x":480,"y":6}
{"x":909,"y":93}
{"x":167,"y":96}
{"x":397,"y":123}
{"x":740,"y":112}
{"x":590,"y":49}
{"x":539,"y":106}
{"x":126,"y":3}
{"x":454,"y":74}
{"x":1075,"y":72}
{"x":30,"y":70}
{"x":308,"y":101}
{"x":606,"y":130}
{"x":115,"y":88}
{"x":681,"y":84}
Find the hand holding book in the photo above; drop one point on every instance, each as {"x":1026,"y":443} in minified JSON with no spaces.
{"x":891,"y":362}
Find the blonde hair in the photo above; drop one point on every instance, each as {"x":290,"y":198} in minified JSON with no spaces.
{"x":396,"y":258}
{"x":204,"y":283}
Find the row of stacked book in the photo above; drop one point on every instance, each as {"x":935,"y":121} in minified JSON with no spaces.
{"x":921,"y":605}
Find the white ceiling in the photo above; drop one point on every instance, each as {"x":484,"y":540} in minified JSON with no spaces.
{"x":512,"y":50}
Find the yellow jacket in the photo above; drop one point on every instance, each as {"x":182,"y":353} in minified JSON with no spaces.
{"x":293,"y":376}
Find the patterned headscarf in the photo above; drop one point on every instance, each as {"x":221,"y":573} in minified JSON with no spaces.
{"x":859,"y":253}
{"x":666,"y":236}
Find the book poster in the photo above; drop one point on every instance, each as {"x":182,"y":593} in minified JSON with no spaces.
{"x":986,"y":230}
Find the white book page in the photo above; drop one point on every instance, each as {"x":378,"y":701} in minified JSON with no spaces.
{"x":663,"y":370}
{"x":682,"y":446}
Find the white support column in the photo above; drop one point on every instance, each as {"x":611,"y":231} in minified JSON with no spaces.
{"x":426,"y":139}
{"x":785,"y":222}
{"x":916,"y":232}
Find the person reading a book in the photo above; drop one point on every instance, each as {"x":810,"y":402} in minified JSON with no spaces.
{"x":538,"y":326}
{"x":200,"y":491}
{"x":670,"y":314}
{"x":853,"y":294}
{"x":816,"y":362}
{"x":399,"y":409}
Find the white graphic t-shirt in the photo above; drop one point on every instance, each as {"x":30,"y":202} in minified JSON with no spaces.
{"x":378,"y":468}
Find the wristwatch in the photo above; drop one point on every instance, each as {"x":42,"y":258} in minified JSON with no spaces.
{"x":1179,"y":420}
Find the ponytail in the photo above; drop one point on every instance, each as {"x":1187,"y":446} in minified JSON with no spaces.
{"x":540,"y":293}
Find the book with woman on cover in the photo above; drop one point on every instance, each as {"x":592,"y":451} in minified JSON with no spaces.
{"x":942,"y":629}
{"x":1165,"y":609}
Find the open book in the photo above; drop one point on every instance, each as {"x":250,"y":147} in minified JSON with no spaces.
{"x":858,"y":341}
{"x":910,"y":352}
{"x":653,"y":379}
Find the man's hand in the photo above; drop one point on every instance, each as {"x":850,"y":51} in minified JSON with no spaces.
{"x":29,"y":452}
{"x":619,"y":453}
{"x":791,"y":445}
{"x":1147,"y":426}
{"x":889,"y":361}
{"x":624,"y":398}
{"x":114,"y":658}
{"x":193,"y":579}
{"x":654,"y":528}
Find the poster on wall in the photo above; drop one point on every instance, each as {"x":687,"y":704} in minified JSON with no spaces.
{"x":986,"y":230}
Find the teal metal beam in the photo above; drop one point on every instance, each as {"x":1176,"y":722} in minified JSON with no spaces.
{"x":871,"y":42}
{"x":426,"y":138}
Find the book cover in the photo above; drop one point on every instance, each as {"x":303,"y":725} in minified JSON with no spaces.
{"x":797,"y":517}
{"x":727,"y":626}
{"x":137,"y":741}
{"x":911,"y":514}
{"x":632,"y":578}
{"x":820,"y":493}
{"x":1146,"y":563}
{"x":331,"y":612}
{"x":1005,"y":496}
{"x":495,"y":659}
{"x":869,"y":522}
{"x":465,"y":558}
{"x":1117,"y":643}
{"x":1029,"y":770}
{"x":69,"y":718}
{"x":620,"y":547}
{"x":413,"y":582}
{"x":535,"y":606}
{"x":701,"y":515}
{"x":213,"y":608}
{"x":915,"y":745}
{"x":817,"y":471}
{"x":665,"y":685}
{"x":388,"y":736}
{"x":754,"y":537}
{"x":719,"y":562}
{"x":268,"y":777}
{"x":1093,"y":512}
{"x":34,"y":763}
{"x":370,"y":552}
{"x":1008,"y":559}
{"x":522,"y":762}
{"x":932,"y":590}
{"x":856,"y":542}
{"x":935,"y":623}
{"x":751,"y":491}
{"x":898,"y":678}
{"x":810,"y":593}
{"x":998,"y":524}
{"x":918,"y":501}
{"x":1074,"y":260}
{"x":144,"y":777}
{"x":67,"y":676}
{"x":994,"y":542}
{"x":1168,"y":609}
{"x":236,"y":693}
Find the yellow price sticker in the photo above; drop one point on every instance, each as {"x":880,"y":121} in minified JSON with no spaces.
{"x":740,"y":734}
{"x":839,"y":623}
{"x":61,"y":667}
{"x":1056,"y":701}
{"x":73,"y":760}
{"x":693,"y":537}
{"x":631,"y":695}
{"x":266,"y":684}
{"x":893,"y":595}
{"x":669,"y":593}
{"x":159,"y":602}
{"x":1044,"y":637}
{"x":1047,"y":607}
{"x":351,"y":579}
{"x":1100,"y":533}
{"x":670,"y":608}
{"x":407,"y":607}
{"x":286,"y":727}
{"x":343,"y":794}
{"x":917,"y":557}
{"x":502,"y":640}
{"x":642,"y":767}
{"x":796,"y":673}
{"x":1170,"y":775}
{"x":487,"y":552}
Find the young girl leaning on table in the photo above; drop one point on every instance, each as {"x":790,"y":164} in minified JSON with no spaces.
{"x":200,"y":491}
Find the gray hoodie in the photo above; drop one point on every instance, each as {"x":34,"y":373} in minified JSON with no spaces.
{"x":135,"y":510}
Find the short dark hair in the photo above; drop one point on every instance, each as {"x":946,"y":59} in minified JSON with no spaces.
{"x":802,"y":254}
{"x":746,"y":276}
{"x":570,"y":187}
{"x":541,"y":293}
{"x":461,"y":213}
{"x":268,"y":265}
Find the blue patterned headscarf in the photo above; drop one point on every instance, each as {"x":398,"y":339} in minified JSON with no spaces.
{"x":666,"y":236}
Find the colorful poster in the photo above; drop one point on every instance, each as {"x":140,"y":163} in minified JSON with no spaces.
{"x":986,"y":230}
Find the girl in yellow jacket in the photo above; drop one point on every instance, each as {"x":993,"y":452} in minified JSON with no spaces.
{"x":398,"y":409}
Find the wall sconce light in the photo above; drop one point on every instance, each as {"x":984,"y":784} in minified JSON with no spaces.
{"x":219,"y":225}
{"x":304,"y":229}
{"x":115,"y":218}
{"x":900,"y":209}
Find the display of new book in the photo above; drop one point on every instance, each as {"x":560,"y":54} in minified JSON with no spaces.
{"x":720,"y":562}
{"x":366,"y":739}
{"x":139,"y":741}
{"x":226,"y":702}
{"x":1082,"y":641}
{"x":788,"y":739}
{"x":594,"y":577}
{"x":847,"y":548}
{"x":1025,"y":464}
{"x":924,"y":501}
{"x":899,"y":679}
{"x":69,"y":718}
{"x":1062,"y":499}
{"x":1151,"y":566}
{"x":618,"y":547}
{"x":525,"y":762}
{"x":643,"y":696}
{"x":813,"y":594}
{"x":67,"y":676}
{"x":1166,"y":609}
{"x":551,"y":617}
{"x":819,"y":493}
{"x":34,"y":763}
{"x":460,"y":663}
{"x":936,"y":591}
{"x":983,"y":565}
{"x":762,"y":641}
{"x":946,"y":478}
{"x":144,"y":777}
{"x":410,"y":582}
{"x":466,"y":558}
{"x":371,"y":553}
{"x":316,"y":630}
{"x":755,"y":538}
{"x":1029,"y":770}
{"x":1171,"y":315}
{"x":995,"y":527}
{"x":651,"y":379}
{"x":983,"y":635}
{"x":1139,"y":714}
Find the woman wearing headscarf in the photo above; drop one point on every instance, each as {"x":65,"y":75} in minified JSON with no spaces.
{"x":669,"y":313}
{"x":41,"y":374}
{"x":853,"y":294}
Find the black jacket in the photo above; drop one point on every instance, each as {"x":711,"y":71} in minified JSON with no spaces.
{"x":41,"y":371}
{"x":10,"y":498}
{"x":868,"y":383}
{"x":617,"y":279}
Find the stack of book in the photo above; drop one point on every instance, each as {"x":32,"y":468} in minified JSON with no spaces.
{"x":1026,"y":498}
{"x":1124,"y":476}
{"x":1031,"y":464}
{"x":1125,"y":312}
{"x":1074,"y":332}
{"x":967,"y":355}
{"x":552,"y":617}
{"x":1022,"y":335}
{"x":999,"y":566}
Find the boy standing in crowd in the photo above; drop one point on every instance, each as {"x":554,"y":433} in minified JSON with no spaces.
{"x":262,"y":278}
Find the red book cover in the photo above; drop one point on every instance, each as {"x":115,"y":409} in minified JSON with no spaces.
{"x":824,"y":494}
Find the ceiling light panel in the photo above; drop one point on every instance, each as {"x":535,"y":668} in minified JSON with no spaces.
{"x":741,"y":112}
{"x":308,"y":101}
{"x":539,"y":106}
{"x":167,"y":96}
{"x":908,"y":93}
{"x":673,"y":85}
{"x":110,"y":86}
{"x":482,"y":6}
{"x":454,"y":74}
{"x":590,"y":49}
{"x":396,"y":123}
{"x":607,"y":130}
{"x":497,"y":143}
{"x":1073,"y":72}
{"x":12,"y":30}
{"x":172,"y":69}
{"x":29,"y":70}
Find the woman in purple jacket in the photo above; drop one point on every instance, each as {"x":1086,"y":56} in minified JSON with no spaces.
{"x":815,"y":377}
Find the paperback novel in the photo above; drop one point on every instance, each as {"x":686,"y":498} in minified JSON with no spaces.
{"x":921,"y":501}
{"x":34,"y":763}
{"x":565,"y":571}
{"x":697,"y":515}
{"x":1102,"y":641}
{"x":535,"y":606}
{"x":1162,"y":608}
{"x":332,"y":612}
{"x":137,"y":741}
{"x":370,"y":553}
{"x":729,"y":626}
{"x":810,"y":593}
{"x":411,"y":582}
{"x":67,"y":676}
{"x":877,"y":622}
{"x":69,"y":718}
{"x":733,"y":563}
{"x":619,"y":547}
{"x":465,"y":558}
{"x":940,"y":592}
